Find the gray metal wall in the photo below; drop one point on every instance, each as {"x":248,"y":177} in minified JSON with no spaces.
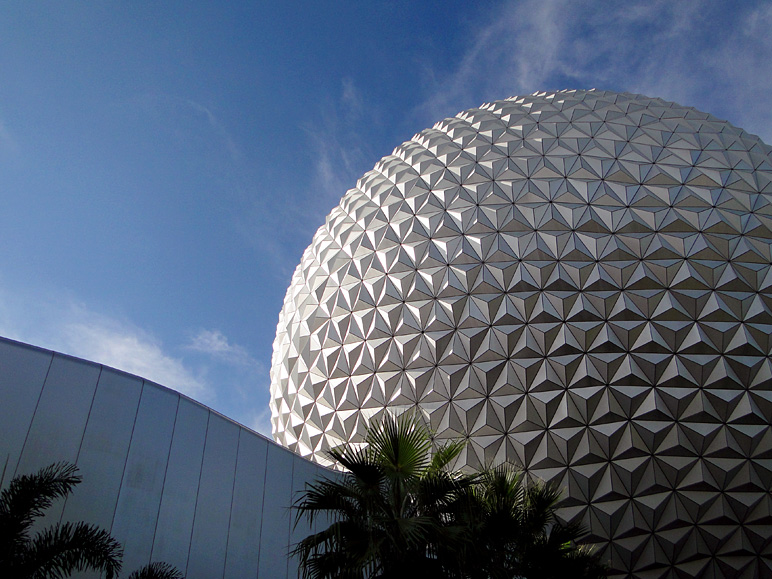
{"x":171,"y":479}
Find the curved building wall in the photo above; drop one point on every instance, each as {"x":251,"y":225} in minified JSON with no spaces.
{"x":171,"y":479}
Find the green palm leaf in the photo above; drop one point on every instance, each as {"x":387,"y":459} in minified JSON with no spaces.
{"x":399,"y":511}
{"x":401,"y":445}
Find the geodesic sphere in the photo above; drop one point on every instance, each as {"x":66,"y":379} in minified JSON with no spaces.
{"x":578,"y":282}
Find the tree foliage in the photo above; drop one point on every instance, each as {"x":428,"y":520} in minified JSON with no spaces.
{"x":400,"y":510}
{"x":159,"y":570}
{"x":389,"y":513}
{"x":513,"y":531}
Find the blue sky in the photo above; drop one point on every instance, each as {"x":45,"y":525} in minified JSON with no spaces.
{"x":164,"y":164}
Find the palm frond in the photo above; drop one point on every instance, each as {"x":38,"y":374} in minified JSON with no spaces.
{"x":539,"y":506}
{"x":440,"y":492}
{"x":416,"y":531}
{"x":157,"y":570}
{"x":564,"y":536}
{"x":344,"y":545}
{"x":444,"y":455}
{"x":328,"y":497}
{"x":400,"y":511}
{"x":365,"y":470}
{"x":59,"y":550}
{"x":402,"y":445}
{"x":28,"y":496}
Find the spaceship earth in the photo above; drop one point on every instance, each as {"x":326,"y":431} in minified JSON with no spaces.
{"x":577,"y":282}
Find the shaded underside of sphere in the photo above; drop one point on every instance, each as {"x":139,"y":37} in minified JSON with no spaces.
{"x":578,"y":282}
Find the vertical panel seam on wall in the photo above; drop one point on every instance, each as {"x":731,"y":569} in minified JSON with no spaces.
{"x":198,"y":489}
{"x":166,"y":470}
{"x":83,"y":436}
{"x":166,"y":473}
{"x":233,"y":493}
{"x":289,"y":524}
{"x":34,"y":413}
{"x":262,"y":509}
{"x":5,"y":466}
{"x":128,"y":453}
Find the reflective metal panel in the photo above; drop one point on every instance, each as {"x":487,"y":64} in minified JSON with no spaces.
{"x":578,"y":282}
{"x":274,"y":536}
{"x":23,"y":370}
{"x":178,"y":504}
{"x":60,"y":420}
{"x":247,"y":507}
{"x":302,"y":473}
{"x":143,"y":479}
{"x":61,"y":415}
{"x":173,"y":485}
{"x":105,"y":446}
{"x":213,"y":508}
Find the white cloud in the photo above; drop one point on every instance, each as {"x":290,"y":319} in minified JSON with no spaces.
{"x":131,"y":350}
{"x":209,"y":368}
{"x":216,"y":344}
{"x":261,"y":422}
{"x":744,"y":63}
{"x":512,"y":53}
{"x":219,"y":129}
{"x":341,"y":152}
{"x":62,"y":325}
{"x":351,"y":99}
{"x":8,"y":143}
{"x":709,"y":55}
{"x":335,"y":152}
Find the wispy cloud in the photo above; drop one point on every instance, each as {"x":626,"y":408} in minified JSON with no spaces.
{"x":279,"y":226}
{"x":695,"y":52}
{"x":63,"y":325}
{"x":216,"y":344}
{"x":209,"y":368}
{"x":261,"y":421}
{"x":351,"y":99}
{"x":743,"y":64}
{"x":218,"y":128}
{"x":241,"y":379}
{"x":513,"y":52}
{"x":132,"y":350}
{"x":341,"y":152}
{"x":8,"y":143}
{"x":182,"y":130}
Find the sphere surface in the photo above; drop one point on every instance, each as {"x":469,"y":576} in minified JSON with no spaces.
{"x":578,"y":282}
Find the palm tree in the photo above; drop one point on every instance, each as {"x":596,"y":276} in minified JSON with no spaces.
{"x":514,"y":532}
{"x":390,"y":512}
{"x":56,"y":551}
{"x":399,"y":511}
